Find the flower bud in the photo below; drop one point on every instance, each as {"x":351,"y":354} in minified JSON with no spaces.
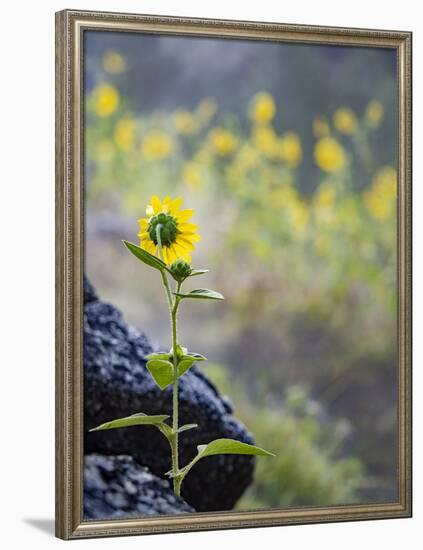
{"x":180,"y":270}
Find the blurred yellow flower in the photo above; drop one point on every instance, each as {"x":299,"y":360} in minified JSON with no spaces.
{"x":125,"y":134}
{"x":325,"y":195}
{"x":380,"y":198}
{"x":104,"y":151}
{"x":324,"y":199}
{"x":386,"y":179}
{"x":265,"y":140}
{"x":329,"y":155}
{"x":320,"y":127}
{"x":114,"y":62}
{"x":285,"y":194}
{"x":105,"y":100}
{"x":157,"y":145}
{"x":206,"y":110}
{"x":191,"y":176}
{"x":247,"y":157}
{"x":299,"y":215}
{"x":345,"y":121}
{"x":184,"y":122}
{"x":374,"y":113}
{"x":223,"y":141}
{"x":262,"y":108}
{"x":178,"y":234}
{"x":289,"y":149}
{"x":287,"y":197}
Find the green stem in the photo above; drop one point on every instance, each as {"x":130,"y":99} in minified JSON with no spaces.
{"x":163,"y":272}
{"x":173,"y":309}
{"x":175,"y":455}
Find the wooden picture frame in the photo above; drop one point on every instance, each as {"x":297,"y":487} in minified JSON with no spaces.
{"x":70,"y":29}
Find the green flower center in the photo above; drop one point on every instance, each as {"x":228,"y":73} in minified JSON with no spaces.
{"x":168,"y":231}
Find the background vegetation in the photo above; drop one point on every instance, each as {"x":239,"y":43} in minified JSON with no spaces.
{"x":287,"y":153}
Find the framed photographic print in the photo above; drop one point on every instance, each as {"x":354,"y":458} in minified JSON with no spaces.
{"x":233,"y":259}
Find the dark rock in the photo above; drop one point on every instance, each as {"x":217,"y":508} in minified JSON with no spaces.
{"x":117,"y":383}
{"x":90,"y":295}
{"x":117,"y":487}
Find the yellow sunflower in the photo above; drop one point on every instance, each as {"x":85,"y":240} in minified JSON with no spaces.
{"x":178,"y":234}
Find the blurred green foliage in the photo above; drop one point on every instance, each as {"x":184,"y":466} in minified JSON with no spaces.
{"x":308,"y":468}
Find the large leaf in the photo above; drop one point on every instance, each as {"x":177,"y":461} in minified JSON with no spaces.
{"x":138,"y":419}
{"x":161,"y":371}
{"x":230,"y":447}
{"x":224,"y":447}
{"x":145,"y":256}
{"x":201,"y":293}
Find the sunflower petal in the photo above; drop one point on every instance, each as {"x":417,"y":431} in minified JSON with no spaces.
{"x":156,"y":204}
{"x":184,"y":215}
{"x":187,"y":227}
{"x":149,"y":246}
{"x":186,"y":240}
{"x":192,"y":237}
{"x":175,"y":205}
{"x":184,"y":244}
{"x":181,"y":249}
{"x":171,"y":254}
{"x":143,"y":223}
{"x":166,"y":204}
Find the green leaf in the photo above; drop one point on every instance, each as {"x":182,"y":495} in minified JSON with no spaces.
{"x":162,"y":355}
{"x":194,"y":356}
{"x":166,"y":430}
{"x":161,"y":371}
{"x":187,"y":360}
{"x":184,"y":365}
{"x":180,"y":351}
{"x":202,"y":293}
{"x":195,"y":272}
{"x":186,"y":427}
{"x":230,"y":447}
{"x":138,"y":419}
{"x":224,"y":447}
{"x":170,"y":474}
{"x":145,"y":256}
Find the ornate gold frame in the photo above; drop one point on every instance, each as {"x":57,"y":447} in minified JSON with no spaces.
{"x":70,"y":26}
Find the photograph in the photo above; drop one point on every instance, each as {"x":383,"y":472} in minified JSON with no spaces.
{"x":238,"y":263}
{"x":283,"y":185}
